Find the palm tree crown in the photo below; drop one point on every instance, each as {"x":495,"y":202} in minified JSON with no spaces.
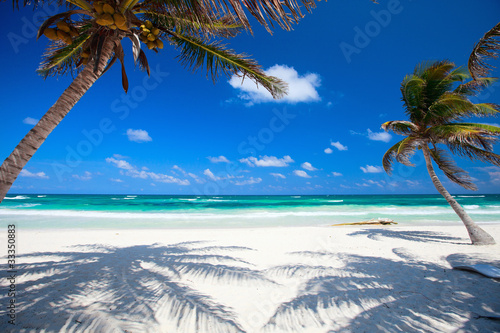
{"x":194,"y":27}
{"x":436,"y":106}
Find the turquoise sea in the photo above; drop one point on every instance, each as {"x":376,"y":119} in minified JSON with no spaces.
{"x":35,"y":211}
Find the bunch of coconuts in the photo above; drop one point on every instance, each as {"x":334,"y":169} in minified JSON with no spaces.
{"x":149,"y":35}
{"x":108,"y":17}
{"x":63,"y":32}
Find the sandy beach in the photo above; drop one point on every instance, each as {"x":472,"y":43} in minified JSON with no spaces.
{"x":302,"y":279}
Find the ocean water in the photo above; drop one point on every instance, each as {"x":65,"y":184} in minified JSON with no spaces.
{"x":153,"y":211}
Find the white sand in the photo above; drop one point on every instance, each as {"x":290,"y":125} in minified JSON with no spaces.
{"x":314,"y":279}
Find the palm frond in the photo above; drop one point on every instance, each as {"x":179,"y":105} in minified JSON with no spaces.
{"x":485,"y":50}
{"x":226,"y":26}
{"x":82,"y":4}
{"x":474,"y":153}
{"x":478,"y":135}
{"x":474,"y":87}
{"x":450,"y":106}
{"x":411,"y":89}
{"x":197,"y":54}
{"x":61,"y":58}
{"x":451,"y":170}
{"x":400,"y":127}
{"x":51,"y":20}
{"x":406,"y":150}
{"x":401,"y":152}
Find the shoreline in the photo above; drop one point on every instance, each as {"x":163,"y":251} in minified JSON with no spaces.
{"x":272,"y":279}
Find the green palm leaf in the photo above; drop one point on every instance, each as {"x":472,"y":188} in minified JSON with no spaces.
{"x":451,"y":170}
{"x":198,"y":54}
{"x":473,"y":87}
{"x":400,"y":127}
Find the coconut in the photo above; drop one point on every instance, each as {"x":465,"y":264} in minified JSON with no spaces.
{"x":148,"y":24}
{"x":105,"y":20}
{"x":64,"y":37}
{"x":155,"y":31}
{"x":63,"y":26}
{"x":51,"y":33}
{"x":159,"y":44}
{"x":151,"y":45}
{"x":108,"y":9}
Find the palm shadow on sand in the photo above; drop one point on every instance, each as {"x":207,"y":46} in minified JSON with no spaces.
{"x":381,"y":295}
{"x":132,"y":289}
{"x":411,"y":235}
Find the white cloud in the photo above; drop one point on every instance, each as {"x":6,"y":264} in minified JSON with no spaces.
{"x":249,"y":181}
{"x":336,"y":174}
{"x":338,"y":145}
{"x":210,"y":175}
{"x":372,"y":169}
{"x":308,"y":166}
{"x":116,"y":180}
{"x":26,"y":173}
{"x":138,"y":135}
{"x":374,"y":136}
{"x":379,"y":136}
{"x":134,"y":172}
{"x":301,"y":88}
{"x":220,"y":159}
{"x":328,"y":151}
{"x":278,"y":175}
{"x":301,"y":173}
{"x":121,"y":164}
{"x":267,"y":161}
{"x":30,"y":121}
{"x":86,"y":176}
{"x":119,"y":157}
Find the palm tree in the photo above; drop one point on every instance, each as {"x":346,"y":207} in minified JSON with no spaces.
{"x":86,"y":40}
{"x":435,"y":109}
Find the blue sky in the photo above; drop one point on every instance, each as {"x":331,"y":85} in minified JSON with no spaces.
{"x":178,"y":133}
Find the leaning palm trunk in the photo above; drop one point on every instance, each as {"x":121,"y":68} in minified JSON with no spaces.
{"x":12,"y":166}
{"x":477,"y":235}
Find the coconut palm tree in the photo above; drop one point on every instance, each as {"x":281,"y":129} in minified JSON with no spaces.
{"x":86,"y":40}
{"x":436,"y":105}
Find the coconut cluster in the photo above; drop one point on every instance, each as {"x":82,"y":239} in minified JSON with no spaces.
{"x":64,"y":32}
{"x":149,"y":35}
{"x":107,"y":16}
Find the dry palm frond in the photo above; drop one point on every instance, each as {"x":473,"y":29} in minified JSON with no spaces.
{"x":486,"y":49}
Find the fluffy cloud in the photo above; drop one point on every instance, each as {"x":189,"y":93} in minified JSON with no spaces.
{"x":86,"y":176}
{"x":372,"y":169}
{"x":336,"y":174}
{"x":134,"y":172}
{"x":301,"y":173}
{"x":40,"y":175}
{"x":220,"y":159}
{"x":210,"y":175}
{"x":249,"y":181}
{"x":338,"y":145}
{"x":116,"y":180}
{"x":308,"y":166}
{"x":379,"y":136}
{"x":374,"y":136}
{"x":301,"y":88}
{"x":278,"y":175}
{"x":30,"y":121}
{"x":267,"y":161}
{"x":328,"y":151}
{"x":138,"y":135}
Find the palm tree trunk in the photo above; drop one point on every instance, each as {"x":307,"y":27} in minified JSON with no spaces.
{"x":477,"y":235}
{"x":12,"y":166}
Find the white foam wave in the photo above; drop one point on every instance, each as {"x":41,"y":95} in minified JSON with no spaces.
{"x":470,"y":196}
{"x":335,"y":200}
{"x":471,"y":206}
{"x":188,"y":199}
{"x":17,"y":197}
{"x":41,"y":196}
